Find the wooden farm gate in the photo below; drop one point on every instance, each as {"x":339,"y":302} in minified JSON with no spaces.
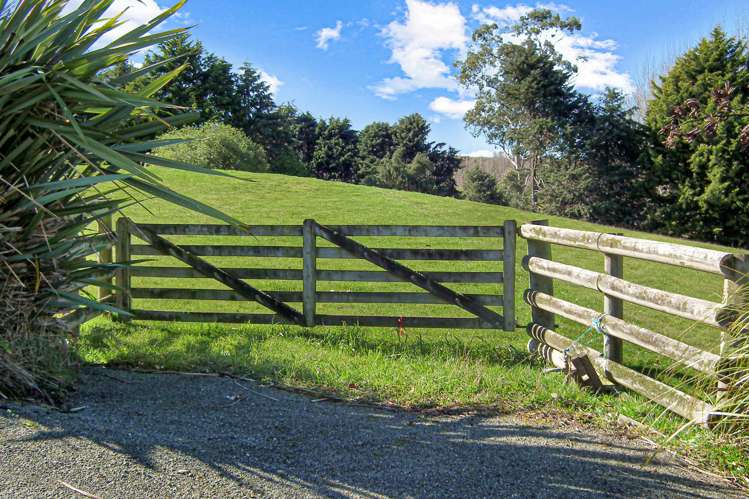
{"x":545,"y":307}
{"x":483,"y":308}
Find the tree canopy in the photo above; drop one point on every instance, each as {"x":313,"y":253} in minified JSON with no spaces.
{"x":702,"y":179}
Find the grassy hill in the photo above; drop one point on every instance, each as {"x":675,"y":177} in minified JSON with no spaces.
{"x":424,"y":368}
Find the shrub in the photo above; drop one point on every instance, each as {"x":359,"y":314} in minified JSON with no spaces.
{"x":481,"y":187}
{"x":215,"y":145}
{"x":66,"y":139}
{"x":702,"y":172}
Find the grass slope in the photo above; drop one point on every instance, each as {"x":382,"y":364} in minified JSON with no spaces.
{"x":423,"y":368}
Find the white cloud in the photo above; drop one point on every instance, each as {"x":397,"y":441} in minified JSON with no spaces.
{"x":272,"y":80}
{"x":595,"y":58}
{"x":482,"y":153}
{"x":500,"y":15}
{"x":510,"y":14}
{"x":137,"y":13}
{"x":326,"y":35}
{"x":452,"y":108}
{"x":417,"y":44}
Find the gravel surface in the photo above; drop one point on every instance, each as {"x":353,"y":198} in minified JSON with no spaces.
{"x":161,"y":435}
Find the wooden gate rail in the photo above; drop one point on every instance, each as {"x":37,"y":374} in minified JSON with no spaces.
{"x":322,"y":275}
{"x":310,"y":275}
{"x":616,"y":290}
{"x":377,"y":258}
{"x":298,"y":296}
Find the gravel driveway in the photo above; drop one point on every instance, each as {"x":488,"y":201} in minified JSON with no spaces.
{"x":161,"y":435}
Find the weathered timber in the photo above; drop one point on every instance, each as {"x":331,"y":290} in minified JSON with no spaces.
{"x":417,"y":230}
{"x":674,"y":400}
{"x":508,"y":305}
{"x":680,"y":305}
{"x":336,"y":253}
{"x":348,"y":230}
{"x":358,"y":250}
{"x":408,"y":322}
{"x":209,"y":317}
{"x":614,"y":307}
{"x":650,"y":340}
{"x":539,"y":282}
{"x":584,"y":373}
{"x":208,"y":270}
{"x":223,"y":230}
{"x":706,"y":260}
{"x":123,"y":275}
{"x":322,"y":275}
{"x":310,"y":272}
{"x":324,"y":320}
{"x":239,"y":273}
{"x":225,"y":250}
{"x":733,"y":301}
{"x":552,"y":356}
{"x":298,"y":296}
{"x":106,"y":254}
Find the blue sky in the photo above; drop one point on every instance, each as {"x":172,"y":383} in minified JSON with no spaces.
{"x":382,"y":59}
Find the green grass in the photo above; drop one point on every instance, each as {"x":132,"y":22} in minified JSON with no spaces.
{"x":426,"y":368}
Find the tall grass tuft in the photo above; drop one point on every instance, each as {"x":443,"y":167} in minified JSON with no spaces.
{"x":732,"y":405}
{"x":73,"y":149}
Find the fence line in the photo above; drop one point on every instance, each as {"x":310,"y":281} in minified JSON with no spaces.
{"x":616,"y":290}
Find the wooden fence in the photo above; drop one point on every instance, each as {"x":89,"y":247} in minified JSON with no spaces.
{"x":344,"y":247}
{"x":545,"y":306}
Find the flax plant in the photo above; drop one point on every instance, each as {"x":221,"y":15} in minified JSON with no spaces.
{"x":73,"y":149}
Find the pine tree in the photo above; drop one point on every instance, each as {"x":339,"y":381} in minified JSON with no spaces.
{"x":702,"y":189}
{"x":411,"y":134}
{"x":336,"y":154}
{"x":615,"y":149}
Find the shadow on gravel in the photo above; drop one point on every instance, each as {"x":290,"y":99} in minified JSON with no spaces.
{"x":143,"y":435}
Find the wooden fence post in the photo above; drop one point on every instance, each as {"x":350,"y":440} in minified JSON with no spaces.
{"x":612,"y":347}
{"x":105,"y":255}
{"x":309,"y":272}
{"x":540,"y":283}
{"x":735,"y":277}
{"x":123,"y":273}
{"x":508,"y":267}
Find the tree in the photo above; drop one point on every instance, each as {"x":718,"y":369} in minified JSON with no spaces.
{"x":254,"y":104}
{"x":411,"y":134}
{"x":446,"y":162}
{"x":420,"y":174}
{"x":391,"y":172}
{"x":480,"y":186}
{"x":215,"y":145}
{"x":336,"y":153}
{"x":615,"y":149}
{"x":217,"y":90}
{"x":524,"y":95}
{"x":703,"y":172}
{"x":376,"y":141}
{"x":186,"y":89}
{"x":305,"y":132}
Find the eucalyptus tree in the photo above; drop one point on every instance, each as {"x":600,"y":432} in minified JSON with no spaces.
{"x":525,"y":99}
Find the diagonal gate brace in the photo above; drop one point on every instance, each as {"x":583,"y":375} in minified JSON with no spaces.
{"x":208,"y":270}
{"x":391,"y":266}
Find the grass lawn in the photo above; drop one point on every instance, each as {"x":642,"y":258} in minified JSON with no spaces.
{"x":424,"y":368}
